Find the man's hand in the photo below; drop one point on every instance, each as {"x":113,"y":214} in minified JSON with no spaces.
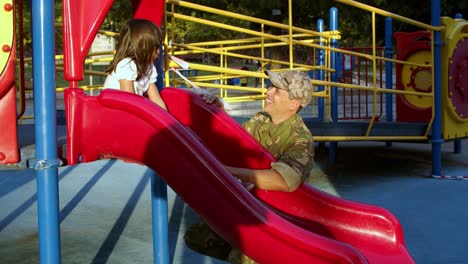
{"x":248,"y":185}
{"x":266,"y":179}
{"x":212,"y":99}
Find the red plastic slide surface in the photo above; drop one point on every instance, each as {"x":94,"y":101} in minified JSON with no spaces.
{"x":306,"y":226}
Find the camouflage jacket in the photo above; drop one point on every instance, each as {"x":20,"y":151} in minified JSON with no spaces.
{"x":290,"y":142}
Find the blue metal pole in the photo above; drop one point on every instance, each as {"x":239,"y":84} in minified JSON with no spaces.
{"x":388,"y":72}
{"x":320,"y":73}
{"x":159,"y":197}
{"x":388,"y":69}
{"x":334,"y":44}
{"x":334,"y":93}
{"x":437,"y":125}
{"x":160,"y":223}
{"x":43,"y":20}
{"x":159,"y":70}
{"x":457,"y":144}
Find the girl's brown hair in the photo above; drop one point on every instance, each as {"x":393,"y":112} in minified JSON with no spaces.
{"x":138,"y":40}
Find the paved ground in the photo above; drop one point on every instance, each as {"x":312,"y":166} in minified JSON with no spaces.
{"x":106,"y":213}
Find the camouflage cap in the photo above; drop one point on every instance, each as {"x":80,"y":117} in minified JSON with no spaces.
{"x":298,"y":84}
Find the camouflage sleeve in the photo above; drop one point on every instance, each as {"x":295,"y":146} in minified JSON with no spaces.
{"x":299,"y":157}
{"x":289,"y":175}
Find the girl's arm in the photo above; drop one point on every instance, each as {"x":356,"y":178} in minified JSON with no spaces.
{"x":153,"y":95}
{"x":126,"y":86}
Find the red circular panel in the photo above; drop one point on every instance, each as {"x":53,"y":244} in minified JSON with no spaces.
{"x":458,"y":83}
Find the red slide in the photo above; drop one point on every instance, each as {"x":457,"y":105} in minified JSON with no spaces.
{"x":187,"y":149}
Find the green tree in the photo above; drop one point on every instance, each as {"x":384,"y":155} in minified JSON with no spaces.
{"x":354,"y":24}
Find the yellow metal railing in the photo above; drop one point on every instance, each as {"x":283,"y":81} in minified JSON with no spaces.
{"x":227,"y":50}
{"x":374,"y":58}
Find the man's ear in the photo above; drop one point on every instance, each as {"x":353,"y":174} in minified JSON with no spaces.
{"x":295,"y":104}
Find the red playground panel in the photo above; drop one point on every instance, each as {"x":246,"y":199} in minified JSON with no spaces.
{"x":413,"y":47}
{"x":8,"y":129}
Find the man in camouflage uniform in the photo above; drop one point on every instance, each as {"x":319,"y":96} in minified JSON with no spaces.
{"x":281,"y":130}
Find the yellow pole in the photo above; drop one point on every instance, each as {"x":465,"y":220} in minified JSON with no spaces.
{"x":242,"y":17}
{"x":368,"y":138}
{"x":374,"y":79}
{"x":388,"y":14}
{"x":291,"y":50}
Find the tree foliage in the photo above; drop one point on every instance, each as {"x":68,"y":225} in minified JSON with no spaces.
{"x":354,"y":24}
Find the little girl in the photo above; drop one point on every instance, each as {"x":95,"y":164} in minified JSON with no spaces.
{"x":132,"y":69}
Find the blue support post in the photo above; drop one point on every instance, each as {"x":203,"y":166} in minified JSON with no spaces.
{"x":43,"y":32}
{"x":334,"y":93}
{"x":388,"y":72}
{"x":320,"y":73}
{"x":159,"y":195}
{"x":436,"y":138}
{"x":388,"y":69}
{"x":457,"y":144}
{"x":334,"y":44}
{"x":158,"y":64}
{"x":159,"y":218}
{"x":339,"y":65}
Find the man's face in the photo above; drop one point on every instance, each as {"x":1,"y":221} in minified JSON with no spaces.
{"x":277,"y":101}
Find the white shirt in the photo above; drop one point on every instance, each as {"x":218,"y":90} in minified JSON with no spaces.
{"x":126,"y":70}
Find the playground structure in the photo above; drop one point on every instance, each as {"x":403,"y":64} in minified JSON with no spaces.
{"x":356,"y":97}
{"x":320,"y":242}
{"x":356,"y":94}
